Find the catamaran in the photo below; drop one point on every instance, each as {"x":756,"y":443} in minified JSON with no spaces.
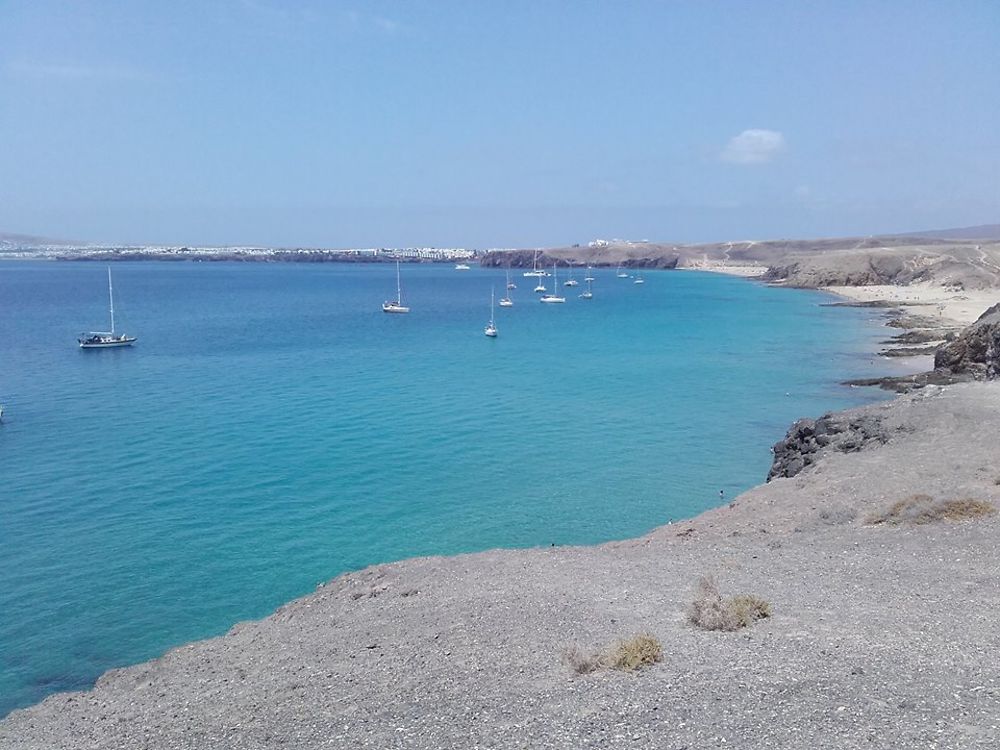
{"x":106,"y":339}
{"x":571,"y":281}
{"x":491,"y":328}
{"x":589,"y":294}
{"x":550,"y":298}
{"x":397,"y":306}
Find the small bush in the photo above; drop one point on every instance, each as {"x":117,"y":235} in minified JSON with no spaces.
{"x":625,"y":655}
{"x":709,"y":611}
{"x":630,"y":654}
{"x":920,"y":509}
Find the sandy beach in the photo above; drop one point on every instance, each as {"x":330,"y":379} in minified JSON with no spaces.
{"x":954,"y":306}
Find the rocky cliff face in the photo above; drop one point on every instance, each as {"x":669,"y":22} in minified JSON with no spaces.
{"x":807,"y":438}
{"x":976,"y":350}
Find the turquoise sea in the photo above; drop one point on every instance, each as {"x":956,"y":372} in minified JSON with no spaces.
{"x":274,"y":428}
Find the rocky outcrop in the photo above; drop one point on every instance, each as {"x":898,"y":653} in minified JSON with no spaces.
{"x":976,"y":350}
{"x":808,"y":438}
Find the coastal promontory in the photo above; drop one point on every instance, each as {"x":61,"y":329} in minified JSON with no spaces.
{"x":883,"y":593}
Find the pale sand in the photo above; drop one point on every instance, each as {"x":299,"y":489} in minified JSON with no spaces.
{"x":961,"y":306}
{"x":747,"y":271}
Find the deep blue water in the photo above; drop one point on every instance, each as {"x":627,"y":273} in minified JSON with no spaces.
{"x":274,"y":428}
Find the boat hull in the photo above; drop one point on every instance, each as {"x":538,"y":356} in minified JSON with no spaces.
{"x":127,"y":341}
{"x":396,"y":309}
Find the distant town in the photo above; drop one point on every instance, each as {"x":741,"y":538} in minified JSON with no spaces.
{"x":29,"y":251}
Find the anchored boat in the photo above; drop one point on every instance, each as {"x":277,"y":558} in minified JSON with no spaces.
{"x":106,"y":339}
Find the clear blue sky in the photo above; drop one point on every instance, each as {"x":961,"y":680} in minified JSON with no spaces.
{"x":495,"y":123}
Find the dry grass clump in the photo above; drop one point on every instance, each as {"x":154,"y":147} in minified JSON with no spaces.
{"x":920,"y":509}
{"x":630,"y":654}
{"x":710,"y":611}
{"x":625,"y":655}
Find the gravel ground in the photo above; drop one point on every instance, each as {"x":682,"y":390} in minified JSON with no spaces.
{"x":881,"y":636}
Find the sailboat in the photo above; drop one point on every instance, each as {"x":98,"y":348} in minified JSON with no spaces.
{"x":571,"y":281}
{"x":621,"y":274}
{"x":491,"y":329}
{"x":555,"y":285}
{"x":639,"y":280}
{"x":589,"y":294}
{"x":510,"y":284}
{"x":506,"y":301}
{"x":397,"y":306}
{"x":106,"y":339}
{"x":535,"y":270}
{"x":589,"y":277}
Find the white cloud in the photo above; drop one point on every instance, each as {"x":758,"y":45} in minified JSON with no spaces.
{"x":753,"y":147}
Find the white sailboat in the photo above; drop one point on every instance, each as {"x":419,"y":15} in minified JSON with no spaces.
{"x":491,"y":329}
{"x":535,"y":270}
{"x":461,"y":266}
{"x":553,"y":298}
{"x":589,"y":277}
{"x":106,"y":339}
{"x":589,"y":294}
{"x":506,"y":301}
{"x":571,"y":281}
{"x":621,"y":274}
{"x":510,"y":284}
{"x":397,"y":306}
{"x":639,"y":280}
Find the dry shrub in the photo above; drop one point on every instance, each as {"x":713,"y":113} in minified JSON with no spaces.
{"x":710,"y":611}
{"x":630,"y":654}
{"x":920,"y":509}
{"x":626,"y":655}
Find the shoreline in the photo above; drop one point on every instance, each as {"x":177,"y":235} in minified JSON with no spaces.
{"x":465,"y":650}
{"x":719,"y":526}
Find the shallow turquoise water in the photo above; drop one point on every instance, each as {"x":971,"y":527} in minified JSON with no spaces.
{"x":274,"y":428}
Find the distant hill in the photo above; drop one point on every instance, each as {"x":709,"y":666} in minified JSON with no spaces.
{"x":10,"y":241}
{"x":980,"y":232}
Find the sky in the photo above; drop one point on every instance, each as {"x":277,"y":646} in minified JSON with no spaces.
{"x":489,"y":124}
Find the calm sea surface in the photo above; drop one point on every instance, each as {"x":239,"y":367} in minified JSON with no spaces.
{"x":274,"y":428}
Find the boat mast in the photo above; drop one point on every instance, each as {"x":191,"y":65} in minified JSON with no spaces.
{"x":492,"y":295}
{"x":111,"y":301}
{"x":399,"y":291}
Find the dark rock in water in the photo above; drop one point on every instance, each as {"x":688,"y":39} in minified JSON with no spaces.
{"x":976,"y":350}
{"x":921,"y":336}
{"x":807,"y":438}
{"x":909,"y":351}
